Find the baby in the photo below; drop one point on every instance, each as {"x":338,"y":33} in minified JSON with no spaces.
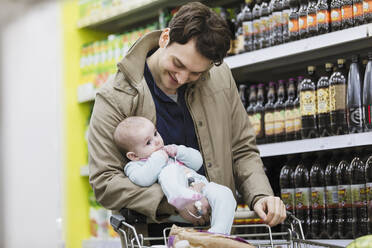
{"x":174,"y":167}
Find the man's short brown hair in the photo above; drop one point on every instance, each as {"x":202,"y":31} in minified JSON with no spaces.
{"x":211,"y":33}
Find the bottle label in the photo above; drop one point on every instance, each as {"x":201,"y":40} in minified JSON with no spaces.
{"x":293,"y":25}
{"x":303,"y":23}
{"x":358,"y":192}
{"x":289,"y":123}
{"x":323,"y":100}
{"x":355,"y":117}
{"x":317,"y":198}
{"x":257,"y":123}
{"x":279,"y":124}
{"x":332,"y":196}
{"x":269,"y":123}
{"x":358,"y":9}
{"x":277,"y":19}
{"x":311,"y":20}
{"x":308,"y":103}
{"x":369,"y":192}
{"x":337,"y":97}
{"x":288,"y":198}
{"x":323,"y":16}
{"x":285,"y":17}
{"x":247,"y":29}
{"x":239,"y":44}
{"x":344,"y":196}
{"x":368,"y":114}
{"x":367,"y":6}
{"x":297,"y":119}
{"x":302,"y":198}
{"x":347,"y":12}
{"x":256,"y":26}
{"x":336,"y":15}
{"x":265,"y":24}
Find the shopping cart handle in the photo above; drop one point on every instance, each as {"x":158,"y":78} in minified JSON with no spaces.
{"x":116,"y":221}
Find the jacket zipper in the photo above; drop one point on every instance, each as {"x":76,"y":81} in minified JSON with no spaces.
{"x":187,"y":95}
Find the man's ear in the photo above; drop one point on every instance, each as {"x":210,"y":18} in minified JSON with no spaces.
{"x":132,"y":156}
{"x":164,"y":38}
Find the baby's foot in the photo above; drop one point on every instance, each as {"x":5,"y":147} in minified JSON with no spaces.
{"x":187,"y":197}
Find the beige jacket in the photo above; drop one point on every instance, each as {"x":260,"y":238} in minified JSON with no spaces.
{"x":226,"y":138}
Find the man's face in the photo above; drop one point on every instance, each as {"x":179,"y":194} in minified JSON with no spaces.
{"x":180,"y":64}
{"x":148,"y":140}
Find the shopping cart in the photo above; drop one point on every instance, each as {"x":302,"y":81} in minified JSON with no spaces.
{"x":292,"y":238}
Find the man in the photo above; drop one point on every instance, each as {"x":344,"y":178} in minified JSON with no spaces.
{"x":177,"y":79}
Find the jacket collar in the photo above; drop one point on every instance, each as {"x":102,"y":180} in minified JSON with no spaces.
{"x":133,"y":63}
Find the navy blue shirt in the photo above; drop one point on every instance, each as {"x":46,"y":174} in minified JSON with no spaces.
{"x":173,"y":119}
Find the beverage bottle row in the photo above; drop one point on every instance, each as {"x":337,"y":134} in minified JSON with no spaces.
{"x":265,"y":23}
{"x":331,"y":196}
{"x":338,"y":102}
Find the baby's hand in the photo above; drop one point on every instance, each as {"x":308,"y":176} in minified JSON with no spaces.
{"x":171,"y":150}
{"x":164,"y":153}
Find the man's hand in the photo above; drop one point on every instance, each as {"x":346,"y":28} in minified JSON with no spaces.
{"x":196,"y":221}
{"x":271,"y":210}
{"x":171,"y":150}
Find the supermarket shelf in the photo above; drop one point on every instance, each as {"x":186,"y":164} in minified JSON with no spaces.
{"x":317,"y":144}
{"x":116,"y":19}
{"x":101,"y":243}
{"x":84,"y":171}
{"x":299,"y":53}
{"x":86,"y":92}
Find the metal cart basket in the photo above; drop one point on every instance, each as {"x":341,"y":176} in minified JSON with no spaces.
{"x":292,"y":238}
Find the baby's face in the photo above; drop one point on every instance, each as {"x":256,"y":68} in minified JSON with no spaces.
{"x":148,"y":141}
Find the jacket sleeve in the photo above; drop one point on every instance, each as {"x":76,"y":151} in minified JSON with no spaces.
{"x":250,"y":178}
{"x":146,"y":173}
{"x":190,"y":157}
{"x":111,"y":186}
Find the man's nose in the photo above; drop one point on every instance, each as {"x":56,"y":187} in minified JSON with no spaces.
{"x":182,"y":77}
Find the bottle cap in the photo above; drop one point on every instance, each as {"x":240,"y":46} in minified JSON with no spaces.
{"x":281,"y":81}
{"x":354,"y":58}
{"x":253,"y":86}
{"x":311,"y":68}
{"x":370,"y":55}
{"x":328,"y":65}
{"x":261,"y":85}
{"x":272,"y":83}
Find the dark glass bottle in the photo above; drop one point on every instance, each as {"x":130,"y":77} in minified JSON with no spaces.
{"x":277,"y":22}
{"x":312,"y":25}
{"x":239,"y":37}
{"x":302,"y":196}
{"x":358,"y":12}
{"x":367,"y":11}
{"x":259,"y":113}
{"x":287,"y":190}
{"x":247,"y":23}
{"x":243,"y":94}
{"x":269,"y":114}
{"x":297,"y":110}
{"x":318,"y":199}
{"x":308,"y":105}
{"x":252,"y":102}
{"x":289,"y":109}
{"x":345,"y":215}
{"x":279,"y":113}
{"x":358,"y":192}
{"x":347,"y":14}
{"x":368,"y":175}
{"x":323,"y":17}
{"x":336,"y":15}
{"x":265,"y":25}
{"x":332,"y":198}
{"x":302,"y":19}
{"x":285,"y":20}
{"x":367,"y":95}
{"x":226,"y":16}
{"x":337,"y":99}
{"x":293,"y":24}
{"x":354,"y":98}
{"x":323,"y":110}
{"x":257,"y":32}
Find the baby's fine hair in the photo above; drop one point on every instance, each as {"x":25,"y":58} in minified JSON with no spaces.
{"x":125,"y":132}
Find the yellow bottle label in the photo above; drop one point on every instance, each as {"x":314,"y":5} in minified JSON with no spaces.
{"x":308,"y":103}
{"x":323,"y":100}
